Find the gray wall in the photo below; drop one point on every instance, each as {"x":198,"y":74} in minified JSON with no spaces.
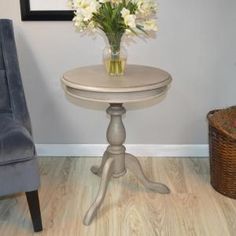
{"x":196,"y":44}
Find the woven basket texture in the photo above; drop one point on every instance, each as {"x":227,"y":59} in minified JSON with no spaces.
{"x":222,"y":147}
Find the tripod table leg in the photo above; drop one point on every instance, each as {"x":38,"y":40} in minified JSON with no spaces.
{"x":97,"y":170}
{"x":106,"y":175}
{"x":132,"y":164}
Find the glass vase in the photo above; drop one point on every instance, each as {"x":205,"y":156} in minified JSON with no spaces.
{"x":114,"y":56}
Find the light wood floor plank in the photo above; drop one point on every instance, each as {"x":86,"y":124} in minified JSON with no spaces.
{"x":68,"y":188}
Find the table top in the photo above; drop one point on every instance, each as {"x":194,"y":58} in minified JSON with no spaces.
{"x":139,"y":83}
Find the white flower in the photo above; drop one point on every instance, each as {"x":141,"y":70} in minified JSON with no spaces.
{"x":125,"y":12}
{"x":103,"y":1}
{"x":128,"y":32}
{"x":137,"y":17}
{"x":116,"y":1}
{"x":79,"y":23}
{"x":129,"y":19}
{"x":150,"y":25}
{"x":146,"y":7}
{"x":86,"y":8}
{"x":92,"y":26}
{"x":112,"y":1}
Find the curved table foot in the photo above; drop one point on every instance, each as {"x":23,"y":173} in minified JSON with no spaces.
{"x":106,"y":175}
{"x":134,"y":166}
{"x":97,"y":170}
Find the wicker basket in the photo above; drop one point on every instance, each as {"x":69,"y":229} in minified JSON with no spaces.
{"x":222,"y":147}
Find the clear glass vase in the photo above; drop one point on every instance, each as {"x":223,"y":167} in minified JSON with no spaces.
{"x":114,"y":56}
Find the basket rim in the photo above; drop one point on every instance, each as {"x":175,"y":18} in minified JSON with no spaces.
{"x":219,"y":129}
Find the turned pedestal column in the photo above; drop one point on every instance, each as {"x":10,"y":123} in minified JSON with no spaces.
{"x":115,"y":161}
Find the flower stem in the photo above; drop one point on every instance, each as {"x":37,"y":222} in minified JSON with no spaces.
{"x":115,"y":64}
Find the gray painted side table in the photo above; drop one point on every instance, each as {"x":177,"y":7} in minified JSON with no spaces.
{"x":140,"y":83}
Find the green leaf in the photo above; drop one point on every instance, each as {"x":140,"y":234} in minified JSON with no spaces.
{"x":141,"y":29}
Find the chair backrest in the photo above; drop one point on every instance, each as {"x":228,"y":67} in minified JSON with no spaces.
{"x":12,"y":98}
{"x":4,"y":94}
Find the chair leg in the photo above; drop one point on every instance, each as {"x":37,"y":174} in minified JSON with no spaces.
{"x":34,"y":207}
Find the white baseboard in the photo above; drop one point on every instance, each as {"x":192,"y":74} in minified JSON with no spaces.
{"x":199,"y":150}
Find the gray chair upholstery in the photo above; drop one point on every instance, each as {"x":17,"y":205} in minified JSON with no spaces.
{"x":18,"y":165}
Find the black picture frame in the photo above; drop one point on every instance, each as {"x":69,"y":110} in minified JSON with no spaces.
{"x":28,"y":15}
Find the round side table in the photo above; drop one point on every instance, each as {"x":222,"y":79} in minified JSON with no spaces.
{"x":140,"y":83}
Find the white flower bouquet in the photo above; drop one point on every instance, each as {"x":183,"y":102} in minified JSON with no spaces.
{"x":115,"y":18}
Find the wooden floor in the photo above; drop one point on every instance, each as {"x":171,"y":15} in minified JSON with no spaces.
{"x":68,"y":188}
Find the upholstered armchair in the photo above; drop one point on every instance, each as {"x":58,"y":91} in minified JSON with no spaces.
{"x":18,"y":165}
